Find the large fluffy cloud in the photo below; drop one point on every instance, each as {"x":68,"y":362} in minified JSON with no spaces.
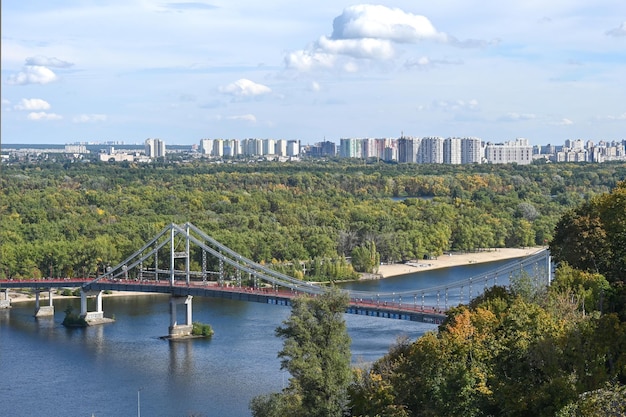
{"x":358,"y":48}
{"x":33,"y":74}
{"x":380,"y":22}
{"x":32,"y":104}
{"x":244,"y":88}
{"x":369,"y":32}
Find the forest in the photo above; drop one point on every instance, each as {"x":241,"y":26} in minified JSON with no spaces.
{"x":517,"y":351}
{"x":305,"y":218}
{"x":524,"y":350}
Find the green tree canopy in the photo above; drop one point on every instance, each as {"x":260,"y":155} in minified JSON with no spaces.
{"x":316,"y":352}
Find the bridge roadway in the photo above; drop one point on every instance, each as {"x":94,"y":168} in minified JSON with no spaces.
{"x":373,"y":308}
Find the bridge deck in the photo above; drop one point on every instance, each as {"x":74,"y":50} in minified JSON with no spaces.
{"x":396,"y":310}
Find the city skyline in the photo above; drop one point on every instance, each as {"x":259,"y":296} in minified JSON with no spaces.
{"x":183,"y":71}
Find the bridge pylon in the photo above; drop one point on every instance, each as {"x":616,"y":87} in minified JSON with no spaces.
{"x":180,"y":330}
{"x":5,"y":300}
{"x":91,"y":315}
{"x":44,"y":311}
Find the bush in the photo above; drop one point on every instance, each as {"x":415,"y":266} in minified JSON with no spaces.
{"x":73,"y":320}
{"x":200,"y":329}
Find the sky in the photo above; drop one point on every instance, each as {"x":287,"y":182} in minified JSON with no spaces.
{"x":182,"y":71}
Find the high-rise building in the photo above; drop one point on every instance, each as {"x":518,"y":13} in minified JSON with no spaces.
{"x":218,"y":148}
{"x":350,"y":148}
{"x":471,"y":151}
{"x":430,"y":151}
{"x":518,"y":151}
{"x":452,"y":151}
{"x":206,"y":146}
{"x":269,"y":147}
{"x":280,"y":147}
{"x":155,"y":148}
{"x":293,"y":147}
{"x":408,"y":149}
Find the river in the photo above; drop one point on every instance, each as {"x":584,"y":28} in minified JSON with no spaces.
{"x":125,"y":368}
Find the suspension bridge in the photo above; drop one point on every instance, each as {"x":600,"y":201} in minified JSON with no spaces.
{"x":184,"y":262}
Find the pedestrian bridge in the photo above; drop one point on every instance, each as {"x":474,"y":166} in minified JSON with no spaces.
{"x":165,"y":265}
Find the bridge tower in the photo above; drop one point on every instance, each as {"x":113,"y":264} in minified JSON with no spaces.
{"x":175,"y":329}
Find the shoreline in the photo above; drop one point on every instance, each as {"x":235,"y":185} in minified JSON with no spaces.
{"x":452,"y":259}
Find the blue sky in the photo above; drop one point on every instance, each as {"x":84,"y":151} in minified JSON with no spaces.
{"x":127,"y":70}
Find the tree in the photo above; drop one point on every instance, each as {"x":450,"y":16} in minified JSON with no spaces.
{"x":365,"y":258}
{"x":593,"y":238}
{"x":316,"y":352}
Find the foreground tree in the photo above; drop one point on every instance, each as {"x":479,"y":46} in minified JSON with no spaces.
{"x":593,"y":238}
{"x":316,"y":353}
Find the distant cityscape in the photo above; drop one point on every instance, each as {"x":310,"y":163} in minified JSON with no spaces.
{"x":425,"y":150}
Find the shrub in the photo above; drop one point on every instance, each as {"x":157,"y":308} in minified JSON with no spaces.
{"x":200,"y":329}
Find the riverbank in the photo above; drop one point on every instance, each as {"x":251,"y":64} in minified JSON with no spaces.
{"x":455,"y":259}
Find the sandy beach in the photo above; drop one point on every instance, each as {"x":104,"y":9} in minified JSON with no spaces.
{"x":455,"y":259}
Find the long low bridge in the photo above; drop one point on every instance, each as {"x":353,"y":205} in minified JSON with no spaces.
{"x":163,"y":265}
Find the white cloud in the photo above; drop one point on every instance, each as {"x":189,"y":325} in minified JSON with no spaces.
{"x":244,"y":117}
{"x":315,"y":86}
{"x":513,"y":116}
{"x":381,"y":22}
{"x":244,"y":88}
{"x":88,"y":118}
{"x":43,"y":116}
{"x":33,"y":74}
{"x":43,"y":61}
{"x":368,"y":48}
{"x":350,"y":67}
{"x":455,"y":105}
{"x":564,"y":122}
{"x":305,"y":60}
{"x":371,"y":32}
{"x":425,"y":62}
{"x":618,"y":31}
{"x":189,"y":6}
{"x":613,"y":118}
{"x":32,"y":104}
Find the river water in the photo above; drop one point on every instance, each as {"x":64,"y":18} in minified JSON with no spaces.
{"x":126,"y":369}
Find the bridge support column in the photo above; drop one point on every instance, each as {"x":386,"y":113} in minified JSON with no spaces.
{"x":5,"y":301}
{"x":44,"y":311}
{"x":91,"y":315}
{"x":175,"y":329}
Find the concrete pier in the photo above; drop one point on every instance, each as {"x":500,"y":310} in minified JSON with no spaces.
{"x":180,"y":330}
{"x":91,"y":315}
{"x":44,"y":311}
{"x":5,"y":300}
